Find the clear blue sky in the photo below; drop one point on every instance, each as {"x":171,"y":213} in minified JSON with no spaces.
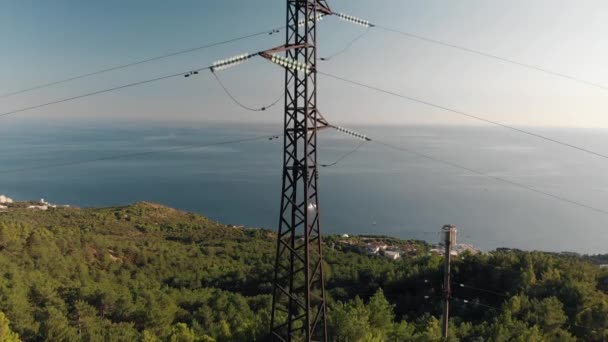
{"x":44,"y":41}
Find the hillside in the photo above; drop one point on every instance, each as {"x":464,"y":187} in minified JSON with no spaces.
{"x":146,"y":272}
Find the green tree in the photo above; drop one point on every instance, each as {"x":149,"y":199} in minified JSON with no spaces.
{"x":381,"y":314}
{"x":349,"y":322}
{"x":56,"y":327}
{"x":6,"y":334}
{"x":547,"y":314}
{"x":181,"y":333}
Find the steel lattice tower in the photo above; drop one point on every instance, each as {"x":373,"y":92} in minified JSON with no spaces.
{"x":298,"y":305}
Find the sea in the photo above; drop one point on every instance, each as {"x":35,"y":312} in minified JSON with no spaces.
{"x":500,"y":188}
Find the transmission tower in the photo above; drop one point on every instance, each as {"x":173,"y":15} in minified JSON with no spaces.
{"x":449,"y":240}
{"x":298,"y":303}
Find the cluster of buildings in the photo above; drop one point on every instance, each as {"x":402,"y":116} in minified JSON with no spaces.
{"x":396,"y":252}
{"x":456,"y":250}
{"x":41,"y":205}
{"x":388,"y":251}
{"x":379,"y":248}
{"x":44,"y":205}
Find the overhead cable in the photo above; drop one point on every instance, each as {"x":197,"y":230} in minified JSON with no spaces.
{"x":465,"y":114}
{"x":147,"y":60}
{"x":500,"y":179}
{"x":367,"y":23}
{"x":345,"y":155}
{"x":496,"y":57}
{"x":346,"y":47}
{"x":239,"y":103}
{"x":107,"y":90}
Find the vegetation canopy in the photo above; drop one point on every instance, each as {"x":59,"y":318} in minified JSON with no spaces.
{"x":146,"y":272}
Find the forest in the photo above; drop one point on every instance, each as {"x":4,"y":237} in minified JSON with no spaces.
{"x":146,"y":272}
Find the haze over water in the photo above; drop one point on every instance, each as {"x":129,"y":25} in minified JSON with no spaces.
{"x":374,"y":191}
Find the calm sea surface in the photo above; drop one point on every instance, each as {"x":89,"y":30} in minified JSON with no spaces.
{"x":375,"y":190}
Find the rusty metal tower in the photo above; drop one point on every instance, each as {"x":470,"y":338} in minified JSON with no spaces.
{"x":298,"y":304}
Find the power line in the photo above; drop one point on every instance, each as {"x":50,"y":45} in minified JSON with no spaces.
{"x":461,"y":113}
{"x":147,"y":60}
{"x":500,"y":179}
{"x":196,"y":71}
{"x":483,"y":174}
{"x":346,"y":47}
{"x":504,"y":294}
{"x":239,"y":103}
{"x":477,"y":303}
{"x":496,"y":57}
{"x":368,"y":24}
{"x":184,"y":73}
{"x":474,"y":303}
{"x":107,"y":90}
{"x":480,"y":289}
{"x":140,"y":154}
{"x":276,"y":30}
{"x":345,"y":155}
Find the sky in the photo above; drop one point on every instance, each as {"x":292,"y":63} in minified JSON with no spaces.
{"x":43,"y":41}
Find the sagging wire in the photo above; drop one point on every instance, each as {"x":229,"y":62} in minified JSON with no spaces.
{"x":351,"y":133}
{"x":346,"y":47}
{"x":239,"y":103}
{"x":345,"y":155}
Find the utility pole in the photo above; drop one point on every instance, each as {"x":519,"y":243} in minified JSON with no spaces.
{"x":449,"y":239}
{"x":298,"y":301}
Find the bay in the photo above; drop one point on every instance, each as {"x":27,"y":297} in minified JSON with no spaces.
{"x":376,"y":190}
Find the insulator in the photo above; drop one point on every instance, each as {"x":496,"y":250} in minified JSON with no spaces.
{"x":303,"y":21}
{"x":290,"y":63}
{"x":352,"y":133}
{"x":230,"y":62}
{"x":354,"y":20}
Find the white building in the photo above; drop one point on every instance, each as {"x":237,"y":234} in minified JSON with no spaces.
{"x":38,"y":207}
{"x":393,"y":255}
{"x":375,"y":248}
{"x":463,"y":247}
{"x":5,"y":199}
{"x":456,"y":250}
{"x":372,"y":249}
